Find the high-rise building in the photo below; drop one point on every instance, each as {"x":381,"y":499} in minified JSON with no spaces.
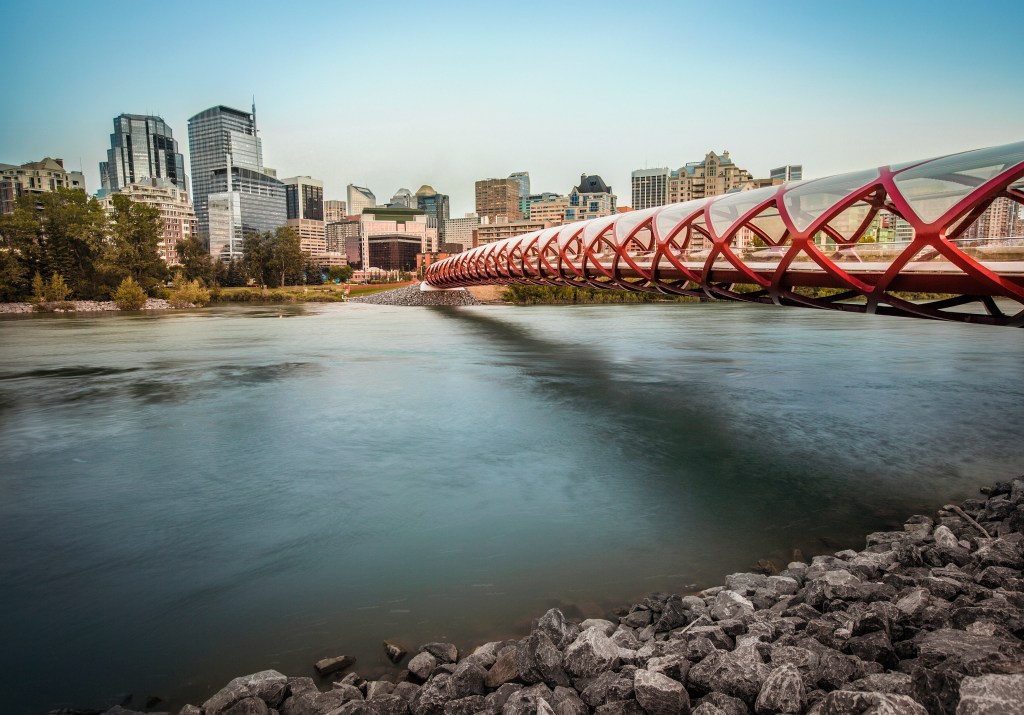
{"x":460,"y":230}
{"x":176,"y":215}
{"x":498,"y":198}
{"x":549,"y":210}
{"x":141,"y":147}
{"x":334,"y":210}
{"x":591,"y":199}
{"x":522,"y":178}
{"x":304,"y":200}
{"x":435,"y":206}
{"x":650,"y":187}
{"x":359,"y":198}
{"x":403,"y":199}
{"x":789,"y":172}
{"x":343,"y":239}
{"x":227,"y":158}
{"x":35,"y":177}
{"x":700,"y":179}
{"x":488,"y":232}
{"x":378,"y":221}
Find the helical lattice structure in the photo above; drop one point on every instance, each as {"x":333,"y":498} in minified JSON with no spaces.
{"x":900,"y":239}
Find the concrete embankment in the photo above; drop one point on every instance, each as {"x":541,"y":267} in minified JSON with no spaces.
{"x":927,"y":619}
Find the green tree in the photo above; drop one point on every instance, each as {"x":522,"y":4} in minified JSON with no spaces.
{"x":340,"y":273}
{"x":256,"y":256}
{"x":286,"y":256}
{"x":135,"y":232}
{"x":196,"y":261}
{"x":61,"y":231}
{"x":12,"y":275}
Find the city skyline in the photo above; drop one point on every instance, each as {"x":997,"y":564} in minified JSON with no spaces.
{"x":788,"y":85}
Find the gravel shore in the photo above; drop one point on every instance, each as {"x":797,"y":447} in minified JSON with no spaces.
{"x":928,"y":619}
{"x":413,"y":296}
{"x":82,"y":306}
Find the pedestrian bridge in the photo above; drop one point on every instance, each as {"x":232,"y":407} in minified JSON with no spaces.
{"x":938,"y":238}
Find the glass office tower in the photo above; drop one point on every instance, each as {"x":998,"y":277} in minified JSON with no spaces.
{"x":141,"y":147}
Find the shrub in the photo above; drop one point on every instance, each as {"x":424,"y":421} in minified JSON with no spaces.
{"x":188,"y":293}
{"x":129,"y":295}
{"x":38,"y":289}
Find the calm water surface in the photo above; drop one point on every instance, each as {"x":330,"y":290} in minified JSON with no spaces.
{"x":186,"y":497}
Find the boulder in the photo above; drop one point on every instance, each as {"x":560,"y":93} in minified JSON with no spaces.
{"x":505,"y":668}
{"x":538,"y":660}
{"x":607,"y":626}
{"x":394,"y":652}
{"x":724,"y":703}
{"x":849,"y":702}
{"x":433,"y":695}
{"x":422,"y":665}
{"x":730,"y":604}
{"x":591,"y":653}
{"x":568,"y":702}
{"x":991,"y":695}
{"x":267,"y":685}
{"x":782,"y":692}
{"x":557,"y":629}
{"x":468,"y":679}
{"x":659,"y":694}
{"x":741,"y":674}
{"x":967,"y":653}
{"x":326,"y":666}
{"x":444,"y":652}
{"x":465,"y":706}
{"x":523,"y":703}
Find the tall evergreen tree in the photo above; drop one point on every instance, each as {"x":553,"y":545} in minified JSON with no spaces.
{"x":135,"y":231}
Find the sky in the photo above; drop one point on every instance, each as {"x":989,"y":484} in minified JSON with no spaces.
{"x":399,"y":94}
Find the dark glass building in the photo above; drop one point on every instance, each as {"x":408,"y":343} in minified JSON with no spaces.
{"x":141,"y":147}
{"x":394,"y":251}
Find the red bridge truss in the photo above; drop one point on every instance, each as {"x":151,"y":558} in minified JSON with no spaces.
{"x":940,"y":238}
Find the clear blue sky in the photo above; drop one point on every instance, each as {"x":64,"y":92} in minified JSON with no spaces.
{"x":399,"y":94}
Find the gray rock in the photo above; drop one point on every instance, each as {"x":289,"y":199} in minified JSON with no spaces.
{"x":740,"y":674}
{"x":991,"y":695}
{"x":351,"y":707}
{"x":422,"y":665}
{"x":594,"y":692}
{"x":725,"y":703}
{"x":895,"y":683}
{"x":730,"y":604}
{"x":326,"y":666}
{"x":444,"y":652}
{"x":190,"y":710}
{"x":505,"y":669}
{"x":379,"y":688}
{"x":522,"y":703}
{"x":465,"y":706}
{"x":707,"y":709}
{"x":406,"y":691}
{"x":625,"y":638}
{"x":945,"y":538}
{"x":966,"y":653}
{"x":538,"y":660}
{"x":468,"y":679}
{"x":591,"y":653}
{"x":639,"y":617}
{"x":620,"y":707}
{"x":394,"y":652}
{"x":568,"y":702}
{"x":745,"y":584}
{"x":388,"y":705}
{"x":849,"y":702}
{"x":606,"y":626}
{"x":557,"y":629}
{"x":433,"y":695}
{"x":659,"y":694}
{"x":782,"y":692}
{"x":267,"y":685}
{"x":496,"y":700}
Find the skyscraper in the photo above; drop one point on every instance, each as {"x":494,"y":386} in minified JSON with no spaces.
{"x":304,"y":197}
{"x":522,"y":179}
{"x":498,"y":197}
{"x":141,"y":147}
{"x":435,"y":205}
{"x":650,"y":187}
{"x":359,"y":198}
{"x":227,"y":158}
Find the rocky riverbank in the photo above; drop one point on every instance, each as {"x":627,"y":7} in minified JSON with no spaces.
{"x":413,"y":296}
{"x":928,"y":619}
{"x":79,"y":306}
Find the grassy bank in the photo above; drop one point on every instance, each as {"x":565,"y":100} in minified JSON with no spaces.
{"x":564,"y":295}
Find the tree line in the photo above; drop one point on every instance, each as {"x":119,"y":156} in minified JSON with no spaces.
{"x":66,"y":238}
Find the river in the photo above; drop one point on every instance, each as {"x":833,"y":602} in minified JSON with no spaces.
{"x":189,"y":496}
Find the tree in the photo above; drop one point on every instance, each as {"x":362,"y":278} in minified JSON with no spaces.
{"x":286,"y":255}
{"x":61,"y":231}
{"x":256,"y":256}
{"x":129,"y":295}
{"x":196,"y":262}
{"x":340,"y":273}
{"x":135,"y":233}
{"x":12,"y":275}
